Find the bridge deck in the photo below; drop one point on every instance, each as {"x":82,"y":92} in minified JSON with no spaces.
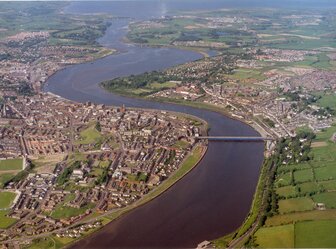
{"x":238,"y":138}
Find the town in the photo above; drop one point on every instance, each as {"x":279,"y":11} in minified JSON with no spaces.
{"x":83,"y":160}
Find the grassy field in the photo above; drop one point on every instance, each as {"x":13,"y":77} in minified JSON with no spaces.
{"x":46,"y":243}
{"x":6,"y":199}
{"x":329,"y":199}
{"x":315,"y":234}
{"x":62,"y":211}
{"x":11,"y":164}
{"x":89,"y":136}
{"x":286,"y":191}
{"x":311,"y":182}
{"x":305,"y":175}
{"x":295,"y":205}
{"x":326,"y":173}
{"x":160,"y":86}
{"x":247,"y":75}
{"x":181,"y":144}
{"x":47,"y":163}
{"x":328,"y":185}
{"x":328,"y":100}
{"x":5,"y":178}
{"x":270,"y":237}
{"x":283,"y":179}
{"x":5,"y":221}
{"x":308,"y":187}
{"x":277,"y":220}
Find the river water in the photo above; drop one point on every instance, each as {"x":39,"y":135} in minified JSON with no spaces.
{"x":215,"y":197}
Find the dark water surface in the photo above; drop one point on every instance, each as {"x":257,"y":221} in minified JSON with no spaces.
{"x":214,"y":198}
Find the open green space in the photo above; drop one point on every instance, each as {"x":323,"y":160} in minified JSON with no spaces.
{"x":328,"y":198}
{"x":286,"y":191}
{"x":326,"y":173}
{"x":328,"y":101}
{"x":308,"y":187}
{"x":303,"y":175}
{"x":89,"y":136}
{"x":283,"y":179}
{"x":11,"y":164}
{"x":6,"y":199}
{"x":4,"y":178}
{"x":168,"y":84}
{"x":104,"y":164}
{"x":245,"y":74}
{"x":315,"y":234}
{"x":6,"y":221}
{"x":281,"y":219}
{"x":295,"y":205}
{"x":275,"y":237}
{"x":181,"y":144}
{"x":328,"y":185}
{"x":63,"y":212}
{"x":46,"y":243}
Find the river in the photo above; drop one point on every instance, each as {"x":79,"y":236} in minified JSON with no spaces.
{"x":214,"y":198}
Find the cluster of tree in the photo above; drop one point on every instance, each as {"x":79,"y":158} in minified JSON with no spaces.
{"x":25,"y":89}
{"x":98,"y":126}
{"x":65,"y":175}
{"x":269,"y":122}
{"x":171,"y":157}
{"x":138,"y":81}
{"x":102,"y":179}
{"x":188,"y":37}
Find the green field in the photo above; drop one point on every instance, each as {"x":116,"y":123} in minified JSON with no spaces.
{"x":89,"y":136}
{"x":4,"y":178}
{"x":6,"y":199}
{"x":181,"y":144}
{"x":303,"y":175}
{"x":328,"y":185}
{"x":63,"y":211}
{"x":5,"y":221}
{"x":326,"y":173}
{"x":328,"y":100}
{"x":329,"y":199}
{"x":286,"y":191}
{"x":283,"y":179}
{"x":246,"y":74}
{"x":275,"y":237}
{"x":308,"y":187}
{"x":11,"y":164}
{"x":315,"y":234}
{"x":160,"y":86}
{"x":295,"y":205}
{"x":45,"y":243}
{"x":277,"y":220}
{"x":104,"y":164}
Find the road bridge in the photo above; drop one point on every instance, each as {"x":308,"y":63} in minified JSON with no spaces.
{"x":235,"y":138}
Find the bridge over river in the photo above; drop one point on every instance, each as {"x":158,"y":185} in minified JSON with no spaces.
{"x":236,"y":138}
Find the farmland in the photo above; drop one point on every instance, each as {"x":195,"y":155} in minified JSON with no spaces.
{"x":305,"y":210}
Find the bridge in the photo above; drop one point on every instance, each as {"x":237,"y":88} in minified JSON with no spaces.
{"x":236,"y":139}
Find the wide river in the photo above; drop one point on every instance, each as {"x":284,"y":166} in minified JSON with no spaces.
{"x":215,"y":197}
